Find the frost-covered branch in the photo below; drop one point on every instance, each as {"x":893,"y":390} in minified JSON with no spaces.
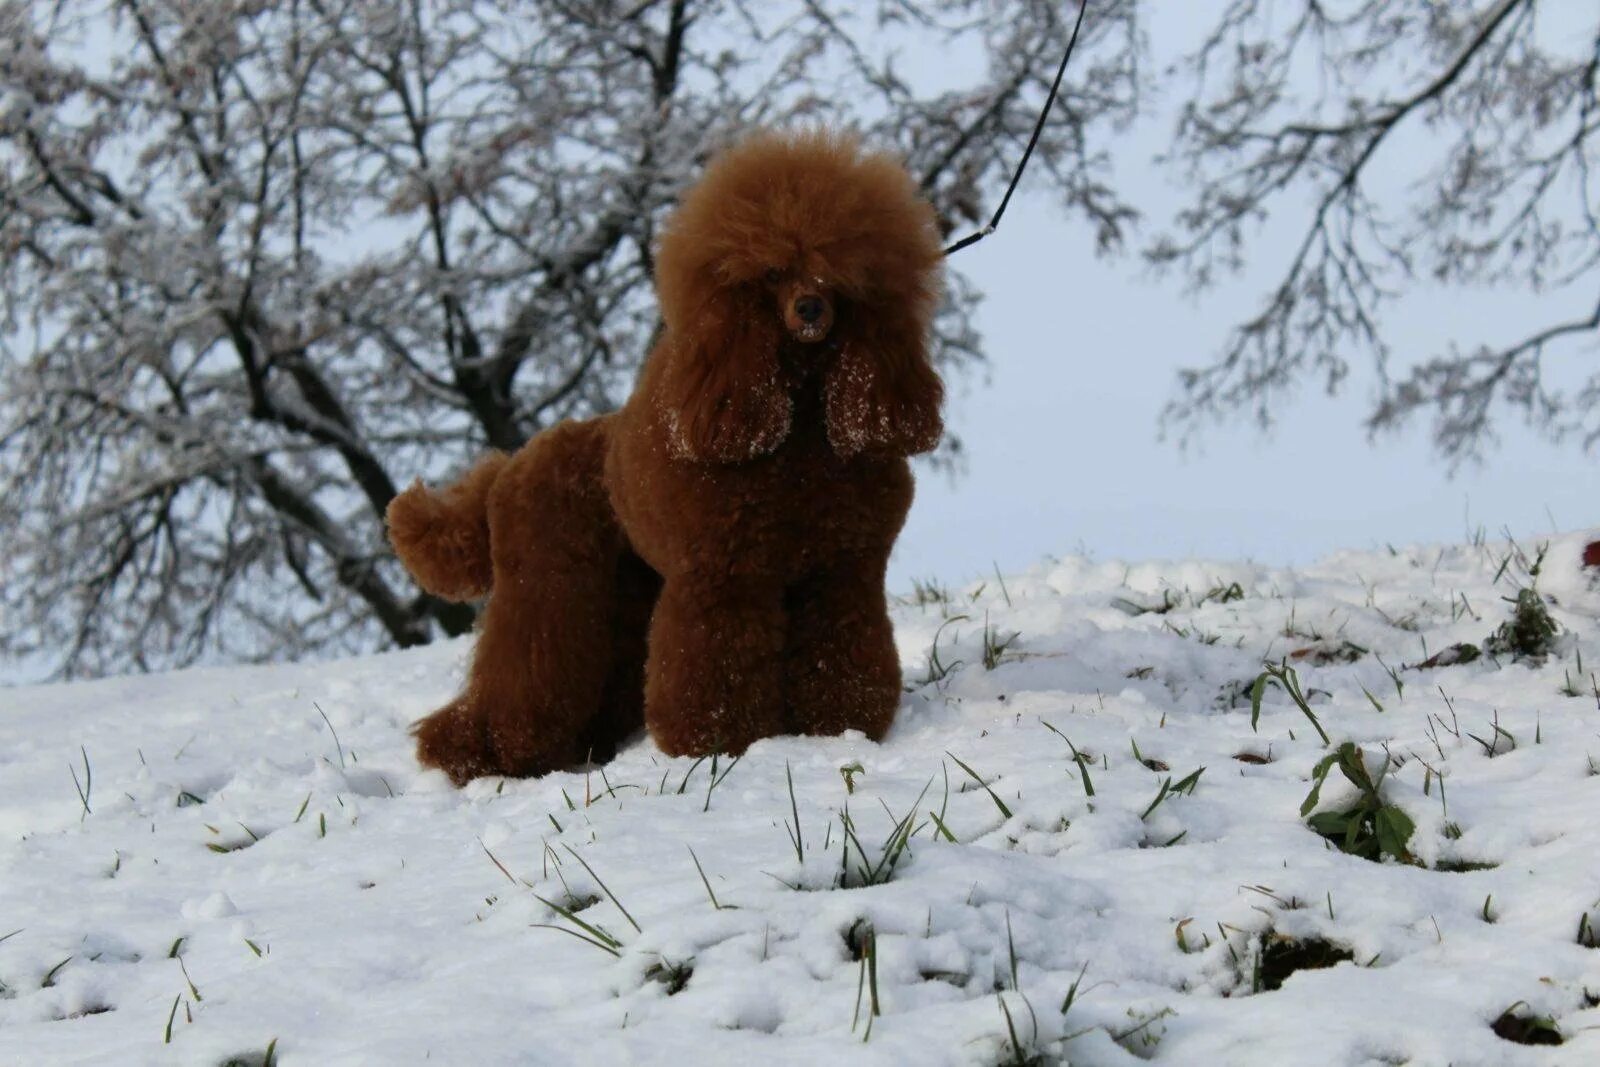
{"x":1499,"y":114}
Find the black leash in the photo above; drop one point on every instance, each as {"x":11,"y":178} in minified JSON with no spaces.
{"x":1038,"y":128}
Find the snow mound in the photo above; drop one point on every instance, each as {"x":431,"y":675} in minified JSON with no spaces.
{"x":1073,"y":847}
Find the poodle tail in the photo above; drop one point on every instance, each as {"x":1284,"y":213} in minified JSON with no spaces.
{"x":442,"y":536}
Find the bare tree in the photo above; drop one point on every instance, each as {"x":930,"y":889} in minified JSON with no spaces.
{"x":1449,"y":144}
{"x":263,"y":260}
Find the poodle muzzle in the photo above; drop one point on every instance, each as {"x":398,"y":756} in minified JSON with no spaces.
{"x":808,"y":311}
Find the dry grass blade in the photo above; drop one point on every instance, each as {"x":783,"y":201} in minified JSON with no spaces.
{"x":794,"y":810}
{"x":979,"y":779}
{"x":494,"y":860}
{"x":603,"y":888}
{"x":707,"y":882}
{"x":600,"y":937}
{"x":1077,"y":758}
{"x":332,"y":731}
{"x":86,"y":787}
{"x":166,"y":1035}
{"x":602,"y":946}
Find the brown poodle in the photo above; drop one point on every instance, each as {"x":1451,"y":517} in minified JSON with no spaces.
{"x":709,"y":559}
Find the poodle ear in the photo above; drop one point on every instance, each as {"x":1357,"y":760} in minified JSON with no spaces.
{"x":882,"y":395}
{"x":720,"y":386}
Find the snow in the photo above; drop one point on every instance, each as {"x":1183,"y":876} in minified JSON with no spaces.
{"x":331,"y":895}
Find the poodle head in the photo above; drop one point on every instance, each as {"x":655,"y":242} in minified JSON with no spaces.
{"x":798,"y":256}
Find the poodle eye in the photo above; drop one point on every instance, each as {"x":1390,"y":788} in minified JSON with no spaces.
{"x":772,"y":276}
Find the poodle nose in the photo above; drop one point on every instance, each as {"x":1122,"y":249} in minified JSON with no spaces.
{"x":809,"y":308}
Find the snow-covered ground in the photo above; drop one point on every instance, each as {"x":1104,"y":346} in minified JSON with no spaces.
{"x":236,"y":874}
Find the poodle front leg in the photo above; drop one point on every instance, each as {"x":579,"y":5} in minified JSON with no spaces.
{"x":713,"y":675}
{"x":842,"y":671}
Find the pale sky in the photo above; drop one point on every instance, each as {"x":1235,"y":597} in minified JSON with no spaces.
{"x":1063,"y":456}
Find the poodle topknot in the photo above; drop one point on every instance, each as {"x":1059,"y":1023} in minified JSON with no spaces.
{"x":709,"y":560}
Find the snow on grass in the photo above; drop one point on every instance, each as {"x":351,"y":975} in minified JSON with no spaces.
{"x":200,"y":864}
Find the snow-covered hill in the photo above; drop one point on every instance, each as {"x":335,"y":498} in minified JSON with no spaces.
{"x":256,"y":858}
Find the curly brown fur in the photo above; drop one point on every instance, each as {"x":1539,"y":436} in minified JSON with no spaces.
{"x":709,"y":559}
{"x":443,"y":537}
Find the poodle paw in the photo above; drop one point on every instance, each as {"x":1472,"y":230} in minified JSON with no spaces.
{"x":454,"y":740}
{"x":705,"y":735}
